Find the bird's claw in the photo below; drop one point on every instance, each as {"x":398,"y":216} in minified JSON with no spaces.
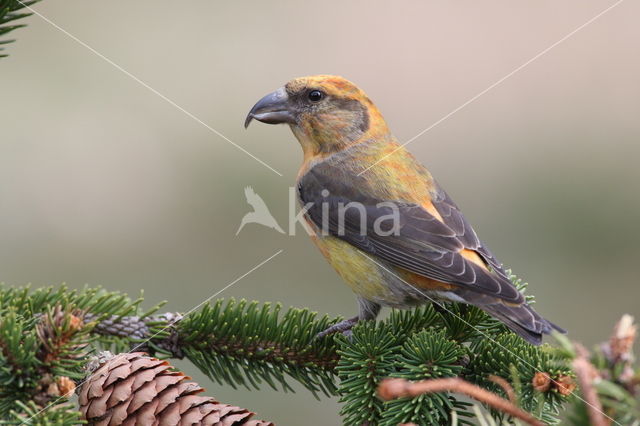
{"x":343,"y":327}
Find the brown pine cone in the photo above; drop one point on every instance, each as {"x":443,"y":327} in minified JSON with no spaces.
{"x":135,"y":389}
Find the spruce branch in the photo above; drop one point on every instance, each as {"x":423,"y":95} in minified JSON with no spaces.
{"x":506,"y":387}
{"x":10,"y":12}
{"x":148,"y":333}
{"x":503,"y":356}
{"x":399,"y":388}
{"x":45,"y":340}
{"x":245,"y":343}
{"x":31,"y":414}
{"x":250,"y":344}
{"x":586,"y":373}
{"x":608,"y":378}
{"x":237,"y":343}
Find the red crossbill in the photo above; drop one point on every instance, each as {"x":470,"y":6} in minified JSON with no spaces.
{"x":427,"y":252}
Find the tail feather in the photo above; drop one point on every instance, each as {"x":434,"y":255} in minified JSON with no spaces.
{"x":523,"y":320}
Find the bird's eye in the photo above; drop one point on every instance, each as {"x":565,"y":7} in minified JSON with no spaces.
{"x":315,"y":95}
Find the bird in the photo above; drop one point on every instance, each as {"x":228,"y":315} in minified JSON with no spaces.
{"x":260,"y":213}
{"x":354,"y":177}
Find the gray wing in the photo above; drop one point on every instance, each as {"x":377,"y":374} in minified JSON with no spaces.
{"x":421,"y":243}
{"x":454,"y":219}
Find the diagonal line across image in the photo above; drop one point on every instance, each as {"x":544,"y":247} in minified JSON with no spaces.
{"x":443,"y":307}
{"x":141,"y":344}
{"x":495,"y":84}
{"x":147,"y":86}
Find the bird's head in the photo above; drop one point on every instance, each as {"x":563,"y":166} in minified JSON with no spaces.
{"x":326,"y":113}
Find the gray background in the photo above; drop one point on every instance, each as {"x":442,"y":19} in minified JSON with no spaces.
{"x":103,"y":182}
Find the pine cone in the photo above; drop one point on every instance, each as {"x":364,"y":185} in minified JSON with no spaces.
{"x":137,"y":329}
{"x":135,"y":389}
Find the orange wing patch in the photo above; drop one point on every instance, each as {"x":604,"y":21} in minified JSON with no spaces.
{"x":424,"y":282}
{"x":470,"y":255}
{"x":474,"y":257}
{"x":428,"y":206}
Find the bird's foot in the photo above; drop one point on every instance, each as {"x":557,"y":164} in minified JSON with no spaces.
{"x":343,"y":327}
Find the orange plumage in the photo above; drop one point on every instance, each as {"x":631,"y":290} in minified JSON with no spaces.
{"x":428,"y":252}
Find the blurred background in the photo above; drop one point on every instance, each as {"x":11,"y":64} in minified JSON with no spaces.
{"x":103,"y":182}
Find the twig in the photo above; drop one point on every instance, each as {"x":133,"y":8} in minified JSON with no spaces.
{"x":618,"y":350}
{"x":398,"y":388}
{"x":506,"y":387}
{"x":586,"y":372}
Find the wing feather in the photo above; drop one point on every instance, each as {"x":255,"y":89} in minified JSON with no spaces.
{"x":422,"y":244}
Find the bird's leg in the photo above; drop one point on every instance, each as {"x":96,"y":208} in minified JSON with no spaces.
{"x":342,"y":327}
{"x":367,"y":310}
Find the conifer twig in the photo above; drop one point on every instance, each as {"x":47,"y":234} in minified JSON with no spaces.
{"x":139,"y":329}
{"x":242,"y":343}
{"x":506,"y":387}
{"x":399,"y":388}
{"x":586,"y":372}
